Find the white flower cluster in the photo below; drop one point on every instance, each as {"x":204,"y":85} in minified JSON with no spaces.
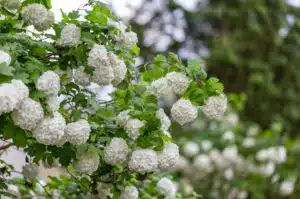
{"x":53,"y":103}
{"x":123,"y":118}
{"x":70,"y":36}
{"x":87,"y":162}
{"x":277,"y":155}
{"x":11,"y":4}
{"x":5,"y":57}
{"x":172,"y":83}
{"x":108,"y":67}
{"x":178,"y":81}
{"x":215,"y":106}
{"x":143,"y":161}
{"x":130,"y":192}
{"x":38,"y":15}
{"x":167,"y":188}
{"x":51,"y":130}
{"x":287,"y":187}
{"x":49,"y":82}
{"x":164,"y":119}
{"x":30,"y":171}
{"x":127,"y":39}
{"x":77,"y":132}
{"x":133,"y":127}
{"x":183,"y":111}
{"x":28,"y":115}
{"x":116,"y":152}
{"x":190,"y":149}
{"x":81,"y":77}
{"x":237,"y":194}
{"x":169,"y":156}
{"x":11,"y":95}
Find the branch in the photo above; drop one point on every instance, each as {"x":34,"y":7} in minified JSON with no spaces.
{"x":4,"y":147}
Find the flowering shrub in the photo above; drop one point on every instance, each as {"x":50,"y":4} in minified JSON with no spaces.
{"x":109,"y":148}
{"x":235,"y":160}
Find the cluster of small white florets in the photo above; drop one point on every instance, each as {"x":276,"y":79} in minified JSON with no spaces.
{"x":277,"y":155}
{"x":30,"y":171}
{"x":28,"y":114}
{"x":190,"y":149}
{"x":215,"y":106}
{"x":87,"y":162}
{"x":11,"y":4}
{"x":116,"y":152}
{"x":167,"y":188}
{"x":108,"y":67}
{"x":237,"y":194}
{"x":70,"y":36}
{"x":133,"y":127}
{"x":130,"y":192}
{"x":38,"y":15}
{"x":77,"y":132}
{"x":11,"y":95}
{"x":127,"y":39}
{"x":183,"y":111}
{"x":143,"y":161}
{"x":81,"y":77}
{"x":49,"y":82}
{"x":123,"y":117}
{"x":287,"y":187}
{"x":51,"y":129}
{"x":172,"y":83}
{"x":164,"y":119}
{"x":169,"y":156}
{"x":5,"y":57}
{"x":53,"y":103}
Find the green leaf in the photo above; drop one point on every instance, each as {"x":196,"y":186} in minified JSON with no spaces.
{"x":6,"y":70}
{"x":98,"y":15}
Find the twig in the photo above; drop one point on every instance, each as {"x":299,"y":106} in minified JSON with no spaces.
{"x":4,"y":147}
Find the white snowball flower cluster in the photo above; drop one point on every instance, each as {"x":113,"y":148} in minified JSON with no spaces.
{"x":190,"y":149}
{"x":48,"y":82}
{"x":203,"y":163}
{"x":38,"y":15}
{"x":119,"y":68}
{"x":53,"y":103}
{"x":5,"y":57}
{"x":167,"y":188}
{"x":123,"y":117}
{"x":133,"y":127}
{"x":178,"y":81}
{"x":103,"y":75}
{"x":78,"y":132}
{"x":116,"y":152}
{"x":248,"y":142}
{"x":28,"y":115}
{"x":98,"y":56}
{"x":237,"y":194}
{"x":81,"y":77}
{"x":30,"y":171}
{"x":169,"y":156}
{"x":51,"y":130}
{"x":22,"y":89}
{"x":230,"y":153}
{"x":274,"y":154}
{"x":159,"y":88}
{"x":215,"y":106}
{"x":143,"y":161}
{"x":87,"y":162}
{"x":127,"y":39}
{"x":130,"y":192}
{"x":70,"y":36}
{"x":9,"y":98}
{"x":287,"y":187}
{"x":11,"y":4}
{"x":183,"y":112}
{"x":104,"y":190}
{"x":164,"y":119}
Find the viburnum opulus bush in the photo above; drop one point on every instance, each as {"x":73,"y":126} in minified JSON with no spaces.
{"x":113,"y":148}
{"x":234,"y":160}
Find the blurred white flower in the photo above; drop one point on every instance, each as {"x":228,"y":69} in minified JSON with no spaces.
{"x":164,"y":119}
{"x":159,"y":88}
{"x":179,"y":82}
{"x":215,"y":106}
{"x":287,"y":187}
{"x":203,"y":163}
{"x":9,"y":98}
{"x":130,"y":192}
{"x":166,"y":187}
{"x":87,"y":162}
{"x":230,"y":153}
{"x":22,"y":89}
{"x":228,"y":136}
{"x":127,"y":39}
{"x":229,"y":174}
{"x":98,"y":56}
{"x":206,"y":145}
{"x":190,"y":149}
{"x":5,"y":57}
{"x":53,"y":103}
{"x":78,"y":132}
{"x":70,"y":36}
{"x":248,"y":142}
{"x":133,"y":128}
{"x":49,"y":83}
{"x":81,"y":77}
{"x":11,"y":4}
{"x":169,"y":156}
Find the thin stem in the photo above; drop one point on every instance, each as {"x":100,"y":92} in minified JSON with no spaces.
{"x":4,"y":147}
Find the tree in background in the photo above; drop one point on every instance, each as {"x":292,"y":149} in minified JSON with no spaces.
{"x":253,"y":47}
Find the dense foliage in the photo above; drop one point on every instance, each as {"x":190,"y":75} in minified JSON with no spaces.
{"x":116,"y":147}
